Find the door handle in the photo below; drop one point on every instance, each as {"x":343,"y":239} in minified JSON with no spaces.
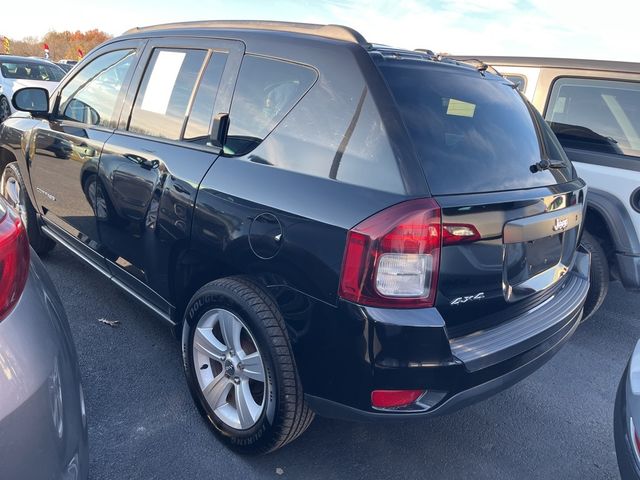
{"x":143,"y":162}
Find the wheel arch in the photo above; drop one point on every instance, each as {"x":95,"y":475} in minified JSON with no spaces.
{"x":6,"y":157}
{"x":190,"y":270}
{"x":609,"y":220}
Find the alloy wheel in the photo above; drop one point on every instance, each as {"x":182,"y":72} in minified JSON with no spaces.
{"x":230,"y":369}
{"x":12,"y":192}
{"x":5,"y":109}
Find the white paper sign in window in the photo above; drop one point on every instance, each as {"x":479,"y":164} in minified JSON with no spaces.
{"x":161,"y":83}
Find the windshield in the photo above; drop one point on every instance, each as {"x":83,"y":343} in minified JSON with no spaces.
{"x":26,"y":70}
{"x":472,"y":131}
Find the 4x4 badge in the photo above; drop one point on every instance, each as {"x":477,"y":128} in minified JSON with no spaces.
{"x":468,"y":298}
{"x":561,"y":224}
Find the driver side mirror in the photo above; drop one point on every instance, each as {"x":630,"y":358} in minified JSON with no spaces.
{"x":34,"y":100}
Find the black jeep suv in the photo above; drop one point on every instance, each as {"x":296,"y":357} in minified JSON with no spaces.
{"x":333,"y":226}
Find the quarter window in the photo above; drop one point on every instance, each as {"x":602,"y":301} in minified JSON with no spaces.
{"x":267,"y":89}
{"x":93,"y":95}
{"x":597,"y":115}
{"x":161,"y":105}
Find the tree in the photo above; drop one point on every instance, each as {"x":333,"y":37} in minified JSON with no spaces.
{"x":61,"y":44}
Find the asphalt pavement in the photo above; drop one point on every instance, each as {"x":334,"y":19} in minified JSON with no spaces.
{"x":143,"y":424}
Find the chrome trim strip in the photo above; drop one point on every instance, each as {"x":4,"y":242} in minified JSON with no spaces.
{"x":543,"y":225}
{"x":58,"y":238}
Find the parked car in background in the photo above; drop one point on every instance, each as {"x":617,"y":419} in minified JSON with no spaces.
{"x":593,"y":107}
{"x":20,"y":72}
{"x":627,"y":419}
{"x":43,"y":429}
{"x":314,"y":215}
{"x":65,"y":66}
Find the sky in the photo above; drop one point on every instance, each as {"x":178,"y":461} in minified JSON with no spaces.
{"x":553,"y":28}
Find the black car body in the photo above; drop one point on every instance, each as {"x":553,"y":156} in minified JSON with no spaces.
{"x":413,"y":221}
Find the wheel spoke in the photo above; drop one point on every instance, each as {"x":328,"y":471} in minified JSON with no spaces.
{"x":248,"y":409}
{"x":12,"y":191}
{"x":217,"y":391}
{"x":230,"y":393}
{"x":230,"y":328}
{"x":252,"y":367}
{"x":205,"y":342}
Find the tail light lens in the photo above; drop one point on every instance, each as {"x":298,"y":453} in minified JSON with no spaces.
{"x":454,"y":233}
{"x":14,"y":260}
{"x":392,"y":258}
{"x":394,"y":398}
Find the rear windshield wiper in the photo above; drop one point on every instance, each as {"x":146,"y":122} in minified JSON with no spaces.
{"x":546,"y":164}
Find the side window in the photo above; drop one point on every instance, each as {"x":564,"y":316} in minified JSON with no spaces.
{"x":519,"y":80}
{"x":94,"y":94}
{"x":201,"y":116}
{"x":266,"y":90}
{"x":161,"y":105}
{"x":597,"y":115}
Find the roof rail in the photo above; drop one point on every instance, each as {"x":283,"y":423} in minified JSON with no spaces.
{"x":335,"y":32}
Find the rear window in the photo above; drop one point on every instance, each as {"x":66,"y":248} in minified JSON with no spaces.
{"x":472,"y":132}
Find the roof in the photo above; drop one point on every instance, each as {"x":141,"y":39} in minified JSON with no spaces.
{"x":572,"y":63}
{"x":18,"y":58}
{"x":334,"y":32}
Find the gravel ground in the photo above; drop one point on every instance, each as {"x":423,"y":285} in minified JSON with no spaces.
{"x":143,"y":424}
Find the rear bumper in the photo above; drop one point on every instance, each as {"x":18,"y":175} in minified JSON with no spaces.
{"x":410,"y":349}
{"x":629,"y":270}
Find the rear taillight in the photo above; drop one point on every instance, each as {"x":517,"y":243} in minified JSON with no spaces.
{"x":392,"y":258}
{"x":14,"y":261}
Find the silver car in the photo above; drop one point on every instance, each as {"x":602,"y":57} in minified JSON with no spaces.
{"x":43,"y":429}
{"x":627,"y":419}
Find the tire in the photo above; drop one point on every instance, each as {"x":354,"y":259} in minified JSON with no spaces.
{"x":284,"y":415}
{"x":19,"y":199}
{"x":5,"y":109}
{"x":624,"y":450}
{"x":599,"y":276}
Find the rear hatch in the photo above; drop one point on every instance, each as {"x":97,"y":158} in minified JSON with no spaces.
{"x":511,"y":204}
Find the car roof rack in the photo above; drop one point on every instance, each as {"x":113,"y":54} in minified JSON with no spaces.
{"x":335,"y":32}
{"x":552,"y":62}
{"x":401,"y":53}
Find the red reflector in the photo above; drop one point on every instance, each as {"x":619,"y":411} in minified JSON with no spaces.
{"x":14,"y":261}
{"x":394,"y":398}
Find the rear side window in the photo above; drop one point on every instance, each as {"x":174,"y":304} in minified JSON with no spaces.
{"x":596,"y":115}
{"x":27,"y":70}
{"x":201,"y":116}
{"x":473,"y":132}
{"x":266,"y":90}
{"x":161,"y":105}
{"x":95,"y":93}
